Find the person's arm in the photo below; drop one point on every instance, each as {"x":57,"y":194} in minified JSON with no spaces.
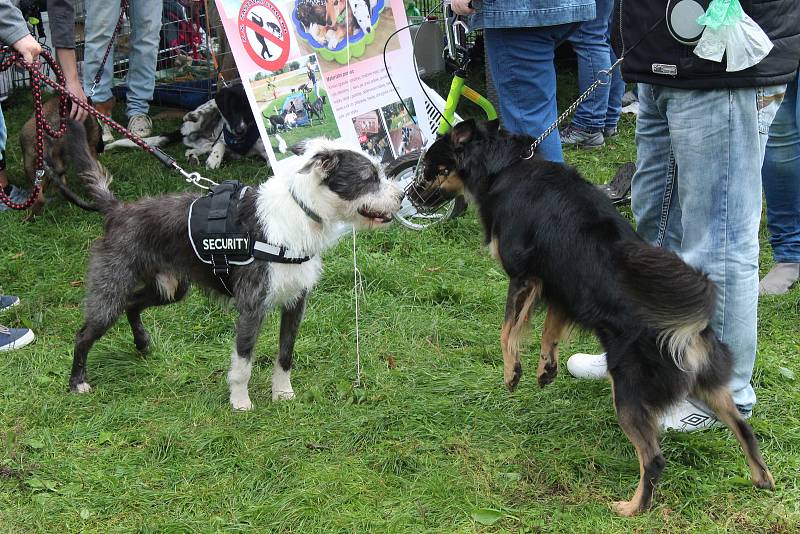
{"x":14,"y":31}
{"x":61,"y":14}
{"x":462,"y":7}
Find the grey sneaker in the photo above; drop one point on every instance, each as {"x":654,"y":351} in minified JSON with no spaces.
{"x":629,"y":98}
{"x":140,"y":125}
{"x":780,"y":279}
{"x":609,"y":132}
{"x":16,"y":195}
{"x":572,"y":135}
{"x":108,"y":136}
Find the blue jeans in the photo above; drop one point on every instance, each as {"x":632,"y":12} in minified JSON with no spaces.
{"x":780,"y":177}
{"x":145,"y":23}
{"x":617,"y":87}
{"x":521,"y":60}
{"x":592,"y":46}
{"x":697,"y":191}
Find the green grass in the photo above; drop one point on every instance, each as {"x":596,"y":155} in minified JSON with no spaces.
{"x":430,"y":440}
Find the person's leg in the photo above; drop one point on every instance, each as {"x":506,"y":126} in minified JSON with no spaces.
{"x":592,"y":48}
{"x":145,"y":26}
{"x":616,"y":89}
{"x":718,"y":139}
{"x":521,"y":60}
{"x":781,"y":180}
{"x":101,"y":19}
{"x":653,"y":200}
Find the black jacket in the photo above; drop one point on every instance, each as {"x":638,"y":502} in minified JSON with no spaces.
{"x":659,"y":51}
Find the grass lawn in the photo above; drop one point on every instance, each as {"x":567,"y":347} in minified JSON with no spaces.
{"x":431,"y":443}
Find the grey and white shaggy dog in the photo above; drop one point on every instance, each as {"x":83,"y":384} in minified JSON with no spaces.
{"x":145,"y":257}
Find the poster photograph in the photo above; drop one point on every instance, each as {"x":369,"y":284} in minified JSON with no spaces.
{"x":309,"y":74}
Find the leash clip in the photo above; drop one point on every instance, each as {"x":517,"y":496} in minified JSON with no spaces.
{"x":532,"y":151}
{"x":194,"y":178}
{"x":37,"y":181}
{"x":92,"y":90}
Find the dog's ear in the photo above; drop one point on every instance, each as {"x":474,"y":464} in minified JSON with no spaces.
{"x":463,"y":132}
{"x":327,"y":161}
{"x":492,"y":126}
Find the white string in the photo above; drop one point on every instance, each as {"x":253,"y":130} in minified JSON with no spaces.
{"x":357,"y":287}
{"x":356,"y":273}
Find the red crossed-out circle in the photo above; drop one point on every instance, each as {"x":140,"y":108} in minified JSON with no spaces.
{"x":281,"y":42}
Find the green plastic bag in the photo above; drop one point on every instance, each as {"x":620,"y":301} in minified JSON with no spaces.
{"x":721,"y":13}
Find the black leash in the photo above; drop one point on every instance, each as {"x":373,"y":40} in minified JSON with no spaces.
{"x":123,"y":8}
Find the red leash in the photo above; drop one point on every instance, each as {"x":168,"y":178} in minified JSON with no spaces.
{"x":12,"y":57}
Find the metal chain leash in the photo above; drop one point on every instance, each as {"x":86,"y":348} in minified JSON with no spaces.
{"x":603,"y":78}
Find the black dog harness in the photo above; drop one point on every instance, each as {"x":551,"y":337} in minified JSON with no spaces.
{"x":217,"y":236}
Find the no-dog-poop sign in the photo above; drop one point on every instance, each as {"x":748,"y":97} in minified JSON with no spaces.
{"x":264,"y":34}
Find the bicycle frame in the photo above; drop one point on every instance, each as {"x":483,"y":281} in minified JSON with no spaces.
{"x":458,"y":88}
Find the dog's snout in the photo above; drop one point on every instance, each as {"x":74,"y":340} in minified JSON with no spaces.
{"x":369,"y":30}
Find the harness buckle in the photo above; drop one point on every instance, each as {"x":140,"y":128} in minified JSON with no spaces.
{"x":220,"y":269}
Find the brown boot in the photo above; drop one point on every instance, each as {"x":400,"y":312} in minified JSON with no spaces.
{"x":106,"y":108}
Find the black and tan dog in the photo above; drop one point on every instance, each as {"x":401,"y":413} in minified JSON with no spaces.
{"x":560,"y":240}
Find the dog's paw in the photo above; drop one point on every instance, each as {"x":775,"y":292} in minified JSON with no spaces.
{"x":213,"y":161}
{"x":282,"y":395}
{"x":512,"y":378}
{"x":241,"y":404}
{"x":83,"y":387}
{"x":765,"y":481}
{"x":625,"y":508}
{"x":547,"y":374}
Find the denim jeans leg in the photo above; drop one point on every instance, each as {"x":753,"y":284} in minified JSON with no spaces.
{"x":145,"y":28}
{"x":780,"y":177}
{"x":521,"y":60}
{"x":617,"y":88}
{"x":718,"y":139}
{"x":101,"y":19}
{"x":654,"y":191}
{"x":593,"y":50}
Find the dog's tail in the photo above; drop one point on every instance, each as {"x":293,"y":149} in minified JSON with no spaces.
{"x":98,"y":180}
{"x":673,"y":297}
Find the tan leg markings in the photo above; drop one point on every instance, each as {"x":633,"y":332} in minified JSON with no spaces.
{"x":641,"y":430}
{"x":720,"y":401}
{"x":518,"y":305}
{"x":555,"y":326}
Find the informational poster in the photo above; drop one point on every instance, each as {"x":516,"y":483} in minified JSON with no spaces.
{"x":315,"y":68}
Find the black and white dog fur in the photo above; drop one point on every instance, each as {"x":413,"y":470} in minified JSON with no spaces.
{"x":145,"y":258}
{"x":201,"y":130}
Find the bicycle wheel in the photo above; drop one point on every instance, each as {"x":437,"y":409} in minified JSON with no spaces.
{"x":403,"y":170}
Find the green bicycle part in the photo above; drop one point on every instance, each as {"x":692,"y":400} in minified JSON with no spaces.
{"x":457,"y":89}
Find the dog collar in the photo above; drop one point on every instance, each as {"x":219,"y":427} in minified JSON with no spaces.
{"x":308,"y":211}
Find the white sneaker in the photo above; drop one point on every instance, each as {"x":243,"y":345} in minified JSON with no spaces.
{"x":140,"y":125}
{"x":688,"y":416}
{"x":588,"y":366}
